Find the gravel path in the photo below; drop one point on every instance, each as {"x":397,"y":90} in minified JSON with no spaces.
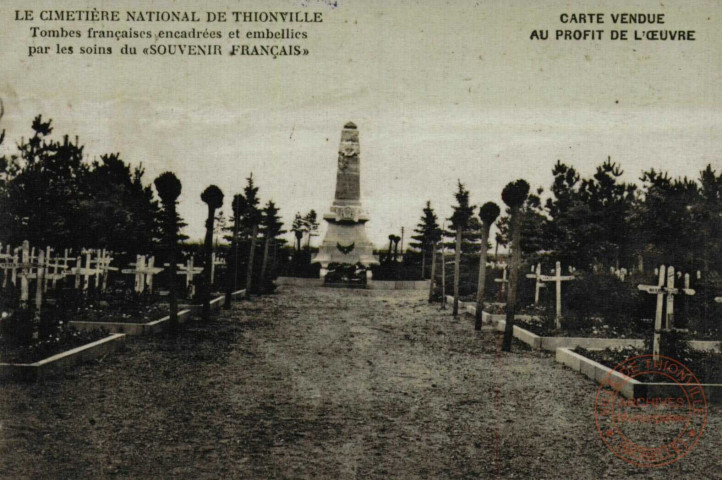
{"x":320,"y":383}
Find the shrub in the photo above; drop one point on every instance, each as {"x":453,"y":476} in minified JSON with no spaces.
{"x":603,"y":296}
{"x":17,"y":327}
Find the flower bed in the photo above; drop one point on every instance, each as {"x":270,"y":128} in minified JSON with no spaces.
{"x":64,"y":340}
{"x":707,"y":366}
{"x":545,"y":326}
{"x":132,"y":313}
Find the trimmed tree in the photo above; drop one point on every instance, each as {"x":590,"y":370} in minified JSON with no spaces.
{"x":251,"y":221}
{"x":459,"y":221}
{"x":514,"y":195}
{"x":232,"y":267}
{"x":213,"y":197}
{"x":488,"y":213}
{"x":169,"y":189}
{"x":298,"y":227}
{"x":272,"y":227}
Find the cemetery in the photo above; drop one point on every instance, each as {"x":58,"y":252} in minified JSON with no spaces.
{"x":72,"y":301}
{"x":537,"y":294}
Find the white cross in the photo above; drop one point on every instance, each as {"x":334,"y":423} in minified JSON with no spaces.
{"x":57,"y":273}
{"x":83,"y":273}
{"x":11,"y":263}
{"x":7,"y":263}
{"x":30,"y":270}
{"x":558,"y":278}
{"x":216,"y":261}
{"x":143,"y":271}
{"x":536,"y":274}
{"x":24,"y":275}
{"x":102,"y":268}
{"x":189,"y":271}
{"x":502,"y":281}
{"x":661,"y":290}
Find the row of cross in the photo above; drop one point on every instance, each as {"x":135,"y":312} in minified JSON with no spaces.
{"x":22,"y":264}
{"x":665,"y":290}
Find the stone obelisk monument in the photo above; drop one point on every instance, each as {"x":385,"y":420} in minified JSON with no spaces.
{"x":346,"y":240}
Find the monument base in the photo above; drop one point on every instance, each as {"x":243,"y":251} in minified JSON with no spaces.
{"x":345,"y":243}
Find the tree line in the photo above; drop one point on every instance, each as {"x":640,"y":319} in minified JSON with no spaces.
{"x":601,"y":221}
{"x":50,"y":194}
{"x":590,"y":223}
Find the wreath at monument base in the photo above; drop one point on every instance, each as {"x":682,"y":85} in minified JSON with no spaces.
{"x":346,"y":275}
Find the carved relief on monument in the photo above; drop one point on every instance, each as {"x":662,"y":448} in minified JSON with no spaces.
{"x":348,"y":213}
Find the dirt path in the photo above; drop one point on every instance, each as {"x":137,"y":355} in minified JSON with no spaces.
{"x":320,"y":383}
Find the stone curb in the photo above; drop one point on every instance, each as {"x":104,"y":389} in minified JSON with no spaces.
{"x":62,"y":361}
{"x":628,"y":387}
{"x":155,"y":326}
{"x":216,"y":303}
{"x":373,"y":285}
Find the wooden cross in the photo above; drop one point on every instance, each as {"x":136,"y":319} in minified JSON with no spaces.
{"x":58,"y":272}
{"x":536,"y":274}
{"x":30,"y":270}
{"x":11,"y":263}
{"x":61,"y":270}
{"x":189,"y":271}
{"x":137,"y":271}
{"x":558,"y":278}
{"x":7,"y":263}
{"x":662,"y":322}
{"x":40,"y":283}
{"x":83,"y":273}
{"x":25,"y":274}
{"x":102,"y":268}
{"x":502,"y":282}
{"x":143,"y":271}
{"x":216,"y":261}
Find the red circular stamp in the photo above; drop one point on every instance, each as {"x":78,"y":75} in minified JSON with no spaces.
{"x":650,"y":412}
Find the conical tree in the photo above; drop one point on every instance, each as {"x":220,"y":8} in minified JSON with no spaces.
{"x":459,"y":221}
{"x":514,"y":195}
{"x":232,"y":267}
{"x":272,"y":227}
{"x":213,"y":197}
{"x":251,"y":221}
{"x":169,"y":189}
{"x":488,"y":213}
{"x":427,"y":234}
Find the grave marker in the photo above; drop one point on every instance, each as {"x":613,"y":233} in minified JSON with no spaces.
{"x":502,"y":282}
{"x":189,"y":271}
{"x":25,"y":274}
{"x":661,"y":290}
{"x":144,"y":271}
{"x":536,"y":274}
{"x":83,"y":273}
{"x":7,"y":261}
{"x":558,"y":278}
{"x":216,"y":261}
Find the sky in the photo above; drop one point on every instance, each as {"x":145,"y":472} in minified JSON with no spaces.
{"x":440,"y":92}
